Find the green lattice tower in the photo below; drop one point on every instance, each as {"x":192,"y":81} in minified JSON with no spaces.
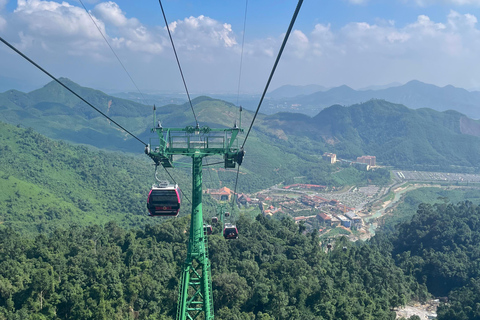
{"x":195,"y":296}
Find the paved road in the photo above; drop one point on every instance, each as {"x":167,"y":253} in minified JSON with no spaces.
{"x":437,"y":176}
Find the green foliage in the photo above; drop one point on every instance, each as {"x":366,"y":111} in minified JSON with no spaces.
{"x":291,"y":278}
{"x":46,"y":184}
{"x":90,"y":273}
{"x":439,"y":246}
{"x":271,"y":272}
{"x":421,"y":139}
{"x":352,"y":176}
{"x":463,"y":303}
{"x":85,"y":267}
{"x":407,"y":208}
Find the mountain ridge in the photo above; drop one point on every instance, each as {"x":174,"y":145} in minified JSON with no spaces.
{"x":414,"y":94}
{"x":392,"y":132}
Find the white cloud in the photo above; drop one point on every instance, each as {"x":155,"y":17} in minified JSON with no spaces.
{"x":62,"y":33}
{"x":464,"y":22}
{"x":426,"y":26}
{"x":3,"y":21}
{"x":202,"y":32}
{"x":361,"y":53}
{"x":111,"y":13}
{"x":62,"y":25}
{"x":298,"y":44}
{"x":357,"y":53}
{"x":132,"y":34}
{"x":53,"y":24}
{"x":322,"y":38}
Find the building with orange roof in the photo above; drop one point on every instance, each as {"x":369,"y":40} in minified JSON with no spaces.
{"x":222,"y":194}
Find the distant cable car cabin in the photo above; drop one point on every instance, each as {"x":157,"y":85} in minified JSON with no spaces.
{"x":164,"y":200}
{"x":208,"y":229}
{"x":227,"y":214}
{"x":230,"y":231}
{"x":214,"y":220}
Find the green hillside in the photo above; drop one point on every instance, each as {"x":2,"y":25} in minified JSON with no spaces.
{"x":270,"y":159}
{"x":57,"y":113}
{"x":98,"y":255}
{"x":46,"y":184}
{"x":421,"y":139}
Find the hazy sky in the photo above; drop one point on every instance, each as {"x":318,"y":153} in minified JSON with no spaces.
{"x":354,"y":42}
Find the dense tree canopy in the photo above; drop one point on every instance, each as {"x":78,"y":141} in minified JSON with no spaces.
{"x":271,"y":272}
{"x":439,"y":247}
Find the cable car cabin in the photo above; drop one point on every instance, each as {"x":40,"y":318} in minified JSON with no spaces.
{"x":230,"y":231}
{"x":164,"y":200}
{"x":214,"y":220}
{"x":208,"y":229}
{"x":227,"y":214}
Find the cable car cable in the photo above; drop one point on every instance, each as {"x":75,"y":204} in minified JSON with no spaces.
{"x":211,"y":181}
{"x":177,"y":183}
{"x":66,"y":87}
{"x":108,"y":43}
{"x":211,"y":164}
{"x":292,"y":22}
{"x":235,"y":190}
{"x":178,"y":62}
{"x":241,"y":55}
{"x":209,"y":173}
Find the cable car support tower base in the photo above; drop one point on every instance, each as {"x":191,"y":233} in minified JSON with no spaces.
{"x":195,"y":299}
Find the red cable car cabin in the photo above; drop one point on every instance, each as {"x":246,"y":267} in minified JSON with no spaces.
{"x":230,"y":231}
{"x":164,"y":200}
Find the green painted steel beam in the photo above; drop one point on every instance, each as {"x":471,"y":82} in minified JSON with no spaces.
{"x":195,"y":294}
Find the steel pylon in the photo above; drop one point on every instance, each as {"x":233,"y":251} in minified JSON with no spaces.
{"x":195,"y":295}
{"x":195,"y":299}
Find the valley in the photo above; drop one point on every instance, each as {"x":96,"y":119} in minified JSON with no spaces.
{"x":348,"y":189}
{"x":357,"y":211}
{"x":296,"y":207}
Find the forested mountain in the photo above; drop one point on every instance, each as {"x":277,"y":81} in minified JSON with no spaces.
{"x":395,"y":134}
{"x":439,"y":246}
{"x":422,"y":139}
{"x":46,"y":184}
{"x":56,"y":113}
{"x":281,"y":146}
{"x":414,"y":95}
{"x":83,"y":266}
{"x":271,"y":272}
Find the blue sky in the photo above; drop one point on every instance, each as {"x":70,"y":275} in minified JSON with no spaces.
{"x":359,"y":43}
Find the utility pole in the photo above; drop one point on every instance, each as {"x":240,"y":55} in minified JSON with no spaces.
{"x":195,"y":299}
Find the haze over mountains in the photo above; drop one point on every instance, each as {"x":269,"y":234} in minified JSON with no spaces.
{"x":311,"y":99}
{"x":396,"y":135}
{"x":414,"y":94}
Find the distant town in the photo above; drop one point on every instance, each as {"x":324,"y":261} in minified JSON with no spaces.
{"x":353,"y":212}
